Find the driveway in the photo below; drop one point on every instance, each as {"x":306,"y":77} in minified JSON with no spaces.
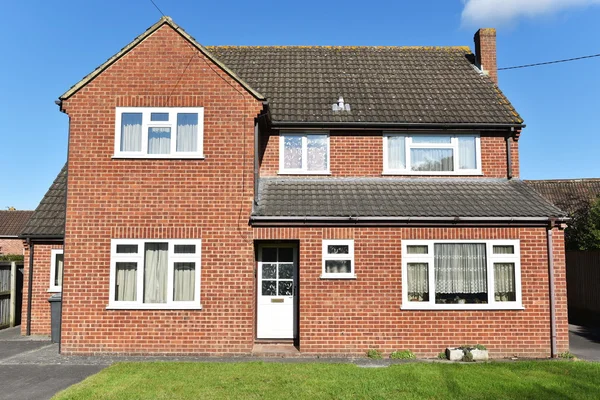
{"x":584,"y":342}
{"x":30,"y":367}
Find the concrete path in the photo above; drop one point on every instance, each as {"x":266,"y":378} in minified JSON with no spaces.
{"x":585,"y":342}
{"x":30,"y":367}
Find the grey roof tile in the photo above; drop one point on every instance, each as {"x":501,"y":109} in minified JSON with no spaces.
{"x":11,"y":222}
{"x":382,"y":84}
{"x":48,"y":219}
{"x":570,"y":195}
{"x":399,"y":197}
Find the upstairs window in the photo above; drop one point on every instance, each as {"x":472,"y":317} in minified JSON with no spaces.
{"x":304,"y":153}
{"x":159,"y":132}
{"x":432,"y":154}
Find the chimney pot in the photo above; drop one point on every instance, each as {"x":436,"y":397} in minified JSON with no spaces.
{"x":485,"y":52}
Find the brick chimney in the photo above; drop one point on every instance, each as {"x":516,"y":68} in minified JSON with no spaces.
{"x":485,"y":52}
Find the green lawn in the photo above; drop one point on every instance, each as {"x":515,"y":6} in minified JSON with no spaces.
{"x":169,"y":380}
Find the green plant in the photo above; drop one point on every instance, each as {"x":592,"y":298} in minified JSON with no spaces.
{"x":374,"y":354}
{"x":403,"y":355}
{"x":567,"y":355}
{"x":480,"y":347}
{"x":468,"y":357}
{"x":12,"y":257}
{"x":442,"y":356}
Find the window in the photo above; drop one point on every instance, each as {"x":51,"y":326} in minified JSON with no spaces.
{"x":159,"y":132}
{"x":338,"y":259}
{"x":304,"y":153}
{"x":154,"y":274}
{"x":431,"y":154}
{"x":461,"y":274}
{"x":56,"y":270}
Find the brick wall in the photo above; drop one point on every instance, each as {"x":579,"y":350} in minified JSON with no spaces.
{"x":40,"y":308}
{"x":208,"y":199}
{"x":360,"y":153}
{"x":351,"y":316}
{"x":11,"y":246}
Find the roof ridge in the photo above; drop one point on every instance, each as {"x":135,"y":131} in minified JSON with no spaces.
{"x":561,"y":180}
{"x":426,"y":48}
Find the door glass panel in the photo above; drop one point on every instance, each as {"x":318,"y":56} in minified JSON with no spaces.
{"x":286,"y":254}
{"x":269,"y":288}
{"x":269,"y":254}
{"x":269,"y":271}
{"x":285,"y":288}
{"x":337,"y":266}
{"x":286,"y":271}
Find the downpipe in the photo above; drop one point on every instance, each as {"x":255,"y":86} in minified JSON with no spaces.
{"x":552,"y":293}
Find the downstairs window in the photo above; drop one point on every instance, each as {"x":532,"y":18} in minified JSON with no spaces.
{"x":155,"y":274}
{"x":459,"y":274}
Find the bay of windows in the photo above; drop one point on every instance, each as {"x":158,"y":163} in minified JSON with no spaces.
{"x":461,"y":274}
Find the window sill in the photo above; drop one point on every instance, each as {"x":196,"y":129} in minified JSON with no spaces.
{"x":462,"y":307}
{"x":158,"y":157}
{"x":153,"y":307}
{"x":54,"y":290}
{"x":339,"y":277}
{"x":303,"y":172}
{"x":432,"y":173}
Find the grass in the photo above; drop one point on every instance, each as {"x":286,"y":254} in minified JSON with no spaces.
{"x":258,"y":380}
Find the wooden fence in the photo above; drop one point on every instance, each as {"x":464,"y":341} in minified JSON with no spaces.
{"x":583,"y":280}
{"x":11,"y":293}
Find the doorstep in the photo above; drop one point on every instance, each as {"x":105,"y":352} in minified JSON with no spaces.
{"x":275,"y":349}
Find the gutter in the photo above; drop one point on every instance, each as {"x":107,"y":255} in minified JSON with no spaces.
{"x":393,"y":125}
{"x":257,"y":218}
{"x":552,"y":293}
{"x":43,"y":237}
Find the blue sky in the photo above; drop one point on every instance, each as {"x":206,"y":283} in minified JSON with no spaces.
{"x":49,"y":46}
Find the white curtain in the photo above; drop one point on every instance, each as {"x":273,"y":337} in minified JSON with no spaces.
{"x":159,"y":140}
{"x":504,"y":281}
{"x":432,"y":159}
{"x":131,"y":132}
{"x":155,"y":273}
{"x":467,"y":154}
{"x":187,"y":132}
{"x":418,"y":282}
{"x":126,"y":286}
{"x":184,"y":281}
{"x":396,"y":152}
{"x":460,"y":268}
{"x":58,"y":273}
{"x":292,"y":152}
{"x":317,"y":152}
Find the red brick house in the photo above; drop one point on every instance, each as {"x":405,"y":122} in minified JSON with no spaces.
{"x":11,"y":224}
{"x":336,"y":198}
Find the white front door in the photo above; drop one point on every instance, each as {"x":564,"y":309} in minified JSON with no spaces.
{"x":276,"y":295}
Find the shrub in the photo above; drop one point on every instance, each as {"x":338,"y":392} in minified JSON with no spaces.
{"x":567,"y":355}
{"x":403,"y":355}
{"x":12,"y":257}
{"x":374,"y":354}
{"x":468,"y":357}
{"x":442,"y":356}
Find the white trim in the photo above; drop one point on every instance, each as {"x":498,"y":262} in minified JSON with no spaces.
{"x":408,"y":145}
{"x":327,"y":256}
{"x":53,"y":253}
{"x":172,"y":124}
{"x":139,"y":259}
{"x":490,"y":259}
{"x":304,"y":170}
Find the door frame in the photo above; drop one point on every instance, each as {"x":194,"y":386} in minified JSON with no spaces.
{"x":258,"y":246}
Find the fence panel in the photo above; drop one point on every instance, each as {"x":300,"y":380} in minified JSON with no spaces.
{"x":583,"y":280}
{"x":4,"y":294}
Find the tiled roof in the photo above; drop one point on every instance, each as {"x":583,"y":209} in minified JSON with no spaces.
{"x":421,"y":85}
{"x":11,"y":222}
{"x":48,"y":220}
{"x":398,"y":197}
{"x":568,"y":194}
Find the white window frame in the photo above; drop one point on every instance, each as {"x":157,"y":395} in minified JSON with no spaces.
{"x":304,"y":170}
{"x":53,"y":254}
{"x":139,"y":258}
{"x":491,"y":258}
{"x":349,"y":256}
{"x":147,"y":123}
{"x":408,"y":145}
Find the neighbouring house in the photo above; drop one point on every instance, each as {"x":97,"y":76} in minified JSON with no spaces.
{"x":336,"y":198}
{"x":43,"y":268}
{"x":11,"y":224}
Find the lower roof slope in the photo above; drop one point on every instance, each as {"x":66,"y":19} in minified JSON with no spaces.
{"x":48,"y":219}
{"x":569,"y":194}
{"x":380,"y":198}
{"x":11,"y":222}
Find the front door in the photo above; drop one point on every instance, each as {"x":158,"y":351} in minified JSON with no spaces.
{"x":276,"y":292}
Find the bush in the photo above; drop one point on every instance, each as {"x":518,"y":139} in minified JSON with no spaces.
{"x":374,"y":354}
{"x":567,"y":355}
{"x":403,"y":355}
{"x":12,"y":257}
{"x":468,"y":357}
{"x":442,"y":356}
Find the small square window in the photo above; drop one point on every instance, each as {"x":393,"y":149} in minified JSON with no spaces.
{"x":338,"y":259}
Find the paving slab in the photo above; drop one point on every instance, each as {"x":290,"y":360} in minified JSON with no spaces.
{"x":584,"y":342}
